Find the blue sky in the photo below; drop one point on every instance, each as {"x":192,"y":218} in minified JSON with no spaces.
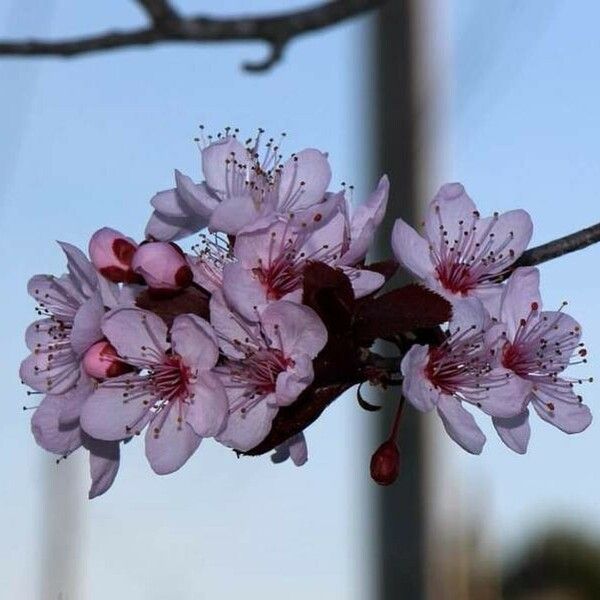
{"x":524,"y":126}
{"x":95,"y":139}
{"x":86,"y":143}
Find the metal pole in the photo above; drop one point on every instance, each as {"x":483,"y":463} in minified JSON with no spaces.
{"x":400,"y":521}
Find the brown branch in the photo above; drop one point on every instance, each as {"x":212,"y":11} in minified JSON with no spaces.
{"x":564,"y":245}
{"x":160,"y":11}
{"x":168,"y":26}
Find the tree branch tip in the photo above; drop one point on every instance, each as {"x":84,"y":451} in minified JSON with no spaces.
{"x":275,"y":55}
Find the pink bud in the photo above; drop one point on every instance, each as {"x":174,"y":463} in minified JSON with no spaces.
{"x":102,"y":361}
{"x":385,"y":463}
{"x":111,"y":253}
{"x":162,"y":265}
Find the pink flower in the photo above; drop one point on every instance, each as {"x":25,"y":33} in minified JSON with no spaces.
{"x":362,"y":223}
{"x":173,"y":391}
{"x":537,"y":346}
{"x":163,"y":266}
{"x":241,"y":188}
{"x":72,"y":308}
{"x":461,"y":254}
{"x":461,"y":370}
{"x":56,"y":428}
{"x":270,"y":263}
{"x":267,"y":364}
{"x":111,"y":253}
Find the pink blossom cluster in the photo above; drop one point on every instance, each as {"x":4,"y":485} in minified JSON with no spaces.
{"x":502,"y":353}
{"x":250,"y":334}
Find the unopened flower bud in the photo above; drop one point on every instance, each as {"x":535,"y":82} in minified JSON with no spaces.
{"x":163,"y":266}
{"x":385,"y":463}
{"x":101,"y":361}
{"x":111,"y":253}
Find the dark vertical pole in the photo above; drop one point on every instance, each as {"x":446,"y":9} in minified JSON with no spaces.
{"x":399,"y":554}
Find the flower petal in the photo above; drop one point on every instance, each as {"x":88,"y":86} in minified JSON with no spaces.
{"x":118,"y":409}
{"x":514,"y":431}
{"x":243,"y":290}
{"x":294,"y":328}
{"x":195,"y":341}
{"x":364,"y":281}
{"x":294,"y":448}
{"x":137,"y":335}
{"x":104,"y":465}
{"x":460,"y":424}
{"x":512,"y":234}
{"x":169,"y":204}
{"x":298,"y":449}
{"x":416,"y":387}
{"x":230,"y":326}
{"x":42,"y":332}
{"x":215,"y":161}
{"x":521,"y":290}
{"x":47,"y":430}
{"x":208,"y":411}
{"x":508,"y":394}
{"x":58,"y":295}
{"x":195,"y":197}
{"x":469,"y":314}
{"x":169,"y":448}
{"x":450,"y":209}
{"x":233,"y":214}
{"x":51,"y":371}
{"x":292,"y":382}
{"x":169,"y":229}
{"x":412,"y":250}
{"x":365,"y":220}
{"x":244,"y":430}
{"x":317,"y":214}
{"x":304,"y":180}
{"x":566,"y":413}
{"x":86,"y":325}
{"x":80,"y":269}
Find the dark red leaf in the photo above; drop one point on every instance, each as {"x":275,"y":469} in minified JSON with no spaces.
{"x":329,"y":293}
{"x":404,"y":309}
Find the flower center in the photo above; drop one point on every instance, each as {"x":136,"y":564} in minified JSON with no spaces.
{"x":461,"y":367}
{"x":171,"y":379}
{"x":474,"y":258}
{"x":282,"y":272}
{"x":260,"y":370}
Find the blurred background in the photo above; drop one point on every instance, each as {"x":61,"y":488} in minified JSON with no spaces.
{"x":500,"y":95}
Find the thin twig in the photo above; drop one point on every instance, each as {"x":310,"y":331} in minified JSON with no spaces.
{"x":564,"y":245}
{"x":168,"y":26}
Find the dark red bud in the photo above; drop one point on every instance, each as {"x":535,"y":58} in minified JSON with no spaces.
{"x":111,"y":253}
{"x":124,"y":250}
{"x":184,"y":276}
{"x":385,"y":463}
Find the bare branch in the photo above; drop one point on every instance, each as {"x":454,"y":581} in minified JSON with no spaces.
{"x":160,"y":11}
{"x":168,"y":26}
{"x":564,"y":245}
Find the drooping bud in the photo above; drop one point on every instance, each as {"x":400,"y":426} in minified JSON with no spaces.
{"x":163,"y":266}
{"x":111,"y":253}
{"x":101,"y":361}
{"x":385,"y":463}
